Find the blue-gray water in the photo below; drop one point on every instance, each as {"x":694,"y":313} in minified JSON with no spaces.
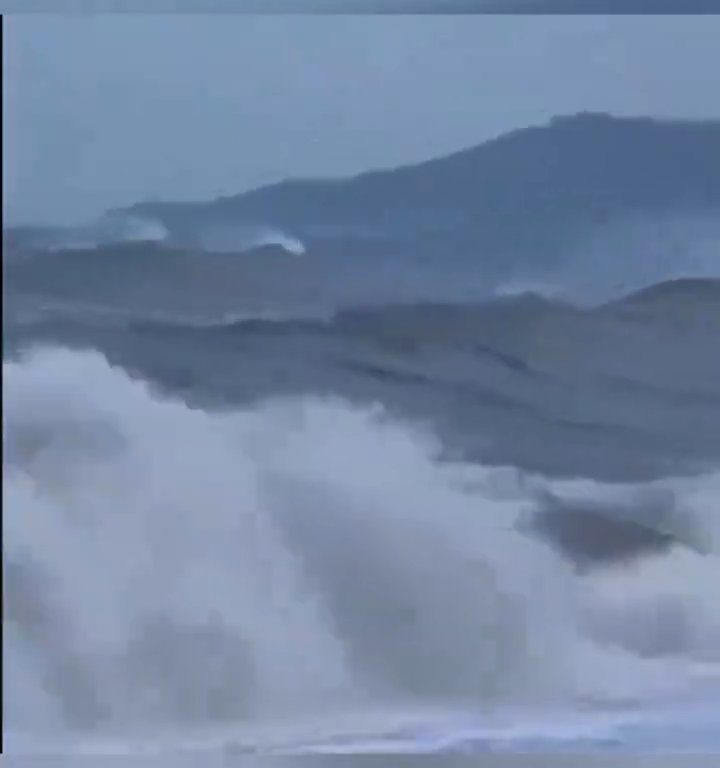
{"x":275,"y":502}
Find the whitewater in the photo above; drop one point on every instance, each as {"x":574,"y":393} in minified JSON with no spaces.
{"x":309,"y":575}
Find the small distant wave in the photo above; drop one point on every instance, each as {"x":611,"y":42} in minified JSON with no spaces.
{"x":528,"y":287}
{"x":275,"y":237}
{"x":229,"y":237}
{"x":39,"y":311}
{"x":106,"y":231}
{"x":133,"y":228}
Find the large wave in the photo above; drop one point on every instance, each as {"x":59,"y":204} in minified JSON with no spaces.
{"x":168,"y":566}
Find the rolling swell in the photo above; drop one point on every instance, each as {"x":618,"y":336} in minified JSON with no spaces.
{"x":524,"y":380}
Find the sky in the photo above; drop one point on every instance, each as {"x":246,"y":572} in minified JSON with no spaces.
{"x":364,"y":6}
{"x":103,"y":111}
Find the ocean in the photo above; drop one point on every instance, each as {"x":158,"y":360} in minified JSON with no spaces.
{"x":271,"y":503}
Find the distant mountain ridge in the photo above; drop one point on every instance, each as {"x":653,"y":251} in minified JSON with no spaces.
{"x":578,"y":193}
{"x":525,"y":195}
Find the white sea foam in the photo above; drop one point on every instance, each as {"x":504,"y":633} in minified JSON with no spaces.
{"x":168,"y":567}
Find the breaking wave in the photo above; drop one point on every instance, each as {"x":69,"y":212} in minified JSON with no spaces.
{"x":171,"y":567}
{"x":240,"y":238}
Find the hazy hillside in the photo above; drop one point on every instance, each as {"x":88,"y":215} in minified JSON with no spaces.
{"x":528,"y":194}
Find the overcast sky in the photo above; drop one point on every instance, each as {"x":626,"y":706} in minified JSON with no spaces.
{"x":107,"y":110}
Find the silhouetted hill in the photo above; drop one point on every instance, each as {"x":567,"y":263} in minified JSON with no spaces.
{"x":528,"y":194}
